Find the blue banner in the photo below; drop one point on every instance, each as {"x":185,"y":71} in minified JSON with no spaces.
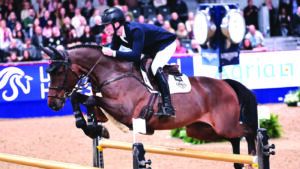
{"x":24,"y":89}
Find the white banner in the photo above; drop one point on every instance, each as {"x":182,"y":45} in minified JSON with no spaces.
{"x":259,"y":70}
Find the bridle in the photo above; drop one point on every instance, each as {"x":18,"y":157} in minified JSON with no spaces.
{"x":67,"y":66}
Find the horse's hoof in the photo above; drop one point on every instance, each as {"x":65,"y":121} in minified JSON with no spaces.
{"x":105,"y":133}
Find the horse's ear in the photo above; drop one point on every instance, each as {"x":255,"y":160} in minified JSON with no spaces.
{"x":49,"y":52}
{"x":57,"y":54}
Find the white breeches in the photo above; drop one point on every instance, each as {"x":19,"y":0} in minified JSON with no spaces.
{"x":162,"y":57}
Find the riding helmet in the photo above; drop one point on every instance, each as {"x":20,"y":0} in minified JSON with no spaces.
{"x":113,"y":15}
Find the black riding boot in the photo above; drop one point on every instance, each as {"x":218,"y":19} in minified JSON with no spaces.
{"x":166,"y":108}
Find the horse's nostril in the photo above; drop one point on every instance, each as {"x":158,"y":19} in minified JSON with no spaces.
{"x":53,"y":106}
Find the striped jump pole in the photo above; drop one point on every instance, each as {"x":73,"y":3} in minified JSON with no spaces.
{"x":181,"y":152}
{"x":41,"y":163}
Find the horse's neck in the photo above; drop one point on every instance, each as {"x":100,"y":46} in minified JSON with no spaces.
{"x":121,"y":74}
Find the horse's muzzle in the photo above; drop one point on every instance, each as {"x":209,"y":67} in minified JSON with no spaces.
{"x":56,"y":104}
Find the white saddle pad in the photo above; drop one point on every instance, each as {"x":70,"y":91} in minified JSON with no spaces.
{"x":177,"y":84}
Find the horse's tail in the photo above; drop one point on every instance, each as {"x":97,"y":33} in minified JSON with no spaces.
{"x":248,"y":104}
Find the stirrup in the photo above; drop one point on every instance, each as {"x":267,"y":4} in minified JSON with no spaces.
{"x":165,"y":111}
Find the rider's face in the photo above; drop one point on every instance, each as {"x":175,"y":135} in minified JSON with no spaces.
{"x":109,"y":30}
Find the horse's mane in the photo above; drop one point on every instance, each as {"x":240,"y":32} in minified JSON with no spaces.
{"x":98,"y":47}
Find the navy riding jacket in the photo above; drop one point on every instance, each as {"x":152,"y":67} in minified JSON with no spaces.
{"x":142,"y":38}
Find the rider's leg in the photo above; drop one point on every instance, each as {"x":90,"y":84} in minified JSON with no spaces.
{"x":161,"y":59}
{"x":166,"y":108}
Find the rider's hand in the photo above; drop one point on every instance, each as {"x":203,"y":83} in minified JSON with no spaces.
{"x":108,"y":51}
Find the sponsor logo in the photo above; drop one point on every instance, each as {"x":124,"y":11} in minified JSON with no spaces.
{"x":16,"y":79}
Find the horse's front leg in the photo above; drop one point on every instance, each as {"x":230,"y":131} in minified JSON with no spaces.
{"x":76,"y":100}
{"x":90,"y":128}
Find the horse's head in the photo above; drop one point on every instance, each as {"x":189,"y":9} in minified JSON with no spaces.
{"x":62,"y":78}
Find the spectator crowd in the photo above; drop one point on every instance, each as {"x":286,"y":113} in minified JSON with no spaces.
{"x":64,"y":23}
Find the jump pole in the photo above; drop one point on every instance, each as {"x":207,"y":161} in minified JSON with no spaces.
{"x":181,"y":152}
{"x":35,"y":162}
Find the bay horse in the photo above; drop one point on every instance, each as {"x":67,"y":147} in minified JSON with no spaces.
{"x":214,"y":109}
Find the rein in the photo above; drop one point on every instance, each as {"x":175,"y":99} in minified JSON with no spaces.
{"x":109,"y":81}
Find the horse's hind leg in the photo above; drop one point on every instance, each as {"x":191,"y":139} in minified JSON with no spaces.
{"x":235,"y":142}
{"x":251,"y":144}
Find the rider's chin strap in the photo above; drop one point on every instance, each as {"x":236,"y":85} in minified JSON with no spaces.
{"x":116,"y":28}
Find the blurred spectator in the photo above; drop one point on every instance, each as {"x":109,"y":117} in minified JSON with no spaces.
{"x":47,"y":30}
{"x":296,"y":23}
{"x":88,"y":10}
{"x":255,"y":38}
{"x":69,"y":32}
{"x":60,"y":17}
{"x":97,"y":29}
{"x":44,"y":18}
{"x":167,"y":26}
{"x":247,"y":45}
{"x":28,"y":21}
{"x":284,"y":22}
{"x":78,"y":22}
{"x":102,"y":6}
{"x":68,"y":4}
{"x":18,"y":34}
{"x":92,"y":18}
{"x":37,"y":37}
{"x":36,"y":23}
{"x":25,"y":10}
{"x":179,"y":47}
{"x":12,"y":20}
{"x":174,"y":20}
{"x":159,"y":20}
{"x":3,"y":9}
{"x":12,"y":8}
{"x":33,"y":53}
{"x":3,"y":55}
{"x":272,"y":17}
{"x":115,"y":3}
{"x":56,"y":39}
{"x":5,"y":35}
{"x":159,"y":3}
{"x":26,"y":56}
{"x":13,"y":57}
{"x":180,"y":7}
{"x":181,"y":31}
{"x":72,"y":38}
{"x":129,"y":17}
{"x":141,"y":19}
{"x":251,"y":14}
{"x":71,"y":10}
{"x":195,"y":47}
{"x":50,"y":5}
{"x":14,"y":51}
{"x":87,"y":37}
{"x":189,"y":24}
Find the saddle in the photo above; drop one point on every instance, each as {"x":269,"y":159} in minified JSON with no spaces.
{"x":178,"y":82}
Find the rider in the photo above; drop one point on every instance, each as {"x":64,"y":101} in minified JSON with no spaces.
{"x":142,"y":38}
